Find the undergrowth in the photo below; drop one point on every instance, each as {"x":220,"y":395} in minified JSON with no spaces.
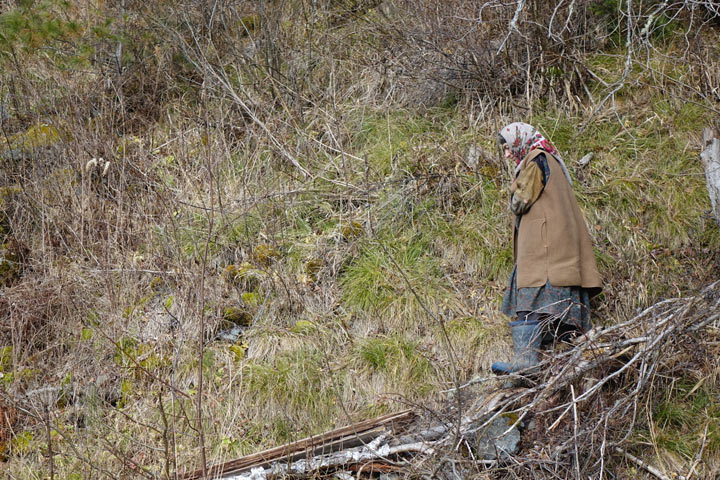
{"x":341,"y":230}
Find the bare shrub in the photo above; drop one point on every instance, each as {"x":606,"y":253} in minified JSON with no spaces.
{"x":495,"y":50}
{"x":34,"y":316}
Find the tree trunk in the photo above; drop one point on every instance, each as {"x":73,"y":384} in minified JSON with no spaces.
{"x":711,"y":161}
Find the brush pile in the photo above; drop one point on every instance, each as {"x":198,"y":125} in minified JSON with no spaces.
{"x":586,"y":402}
{"x":576,"y":411}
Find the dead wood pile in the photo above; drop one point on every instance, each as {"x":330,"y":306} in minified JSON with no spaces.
{"x":577,"y":411}
{"x":586,"y":403}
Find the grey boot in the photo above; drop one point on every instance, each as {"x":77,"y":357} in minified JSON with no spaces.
{"x":526,"y":336}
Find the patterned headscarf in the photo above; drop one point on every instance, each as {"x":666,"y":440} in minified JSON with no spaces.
{"x":523,"y":138}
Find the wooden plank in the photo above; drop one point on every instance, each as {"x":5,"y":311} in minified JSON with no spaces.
{"x":338,"y":439}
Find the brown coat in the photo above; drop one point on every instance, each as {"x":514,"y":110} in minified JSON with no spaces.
{"x":552,"y":241}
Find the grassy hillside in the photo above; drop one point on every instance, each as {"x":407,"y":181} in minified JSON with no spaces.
{"x":324,"y":177}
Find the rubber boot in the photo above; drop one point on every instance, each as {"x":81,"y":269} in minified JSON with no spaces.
{"x":526,"y":338}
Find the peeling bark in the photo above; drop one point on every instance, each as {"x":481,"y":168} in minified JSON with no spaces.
{"x":711,"y":160}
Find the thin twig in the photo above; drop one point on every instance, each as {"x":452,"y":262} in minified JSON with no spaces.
{"x":649,"y":468}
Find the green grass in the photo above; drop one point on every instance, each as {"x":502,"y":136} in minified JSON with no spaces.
{"x":393,"y":142}
{"x":296,"y":383}
{"x":682,"y":416}
{"x":476,"y":238}
{"x":399,"y":360}
{"x":672,"y":414}
{"x":393,"y":277}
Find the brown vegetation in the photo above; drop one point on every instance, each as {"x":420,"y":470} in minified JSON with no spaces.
{"x":320,"y":175}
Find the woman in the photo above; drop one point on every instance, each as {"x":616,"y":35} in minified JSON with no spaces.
{"x":555,"y":274}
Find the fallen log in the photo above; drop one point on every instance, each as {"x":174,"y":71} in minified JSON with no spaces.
{"x":376,"y":451}
{"x":342,"y":438}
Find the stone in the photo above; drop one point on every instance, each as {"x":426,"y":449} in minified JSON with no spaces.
{"x":586,"y":159}
{"x":473,"y":156}
{"x":492,"y":443}
{"x":22,"y":145}
{"x":232,"y":334}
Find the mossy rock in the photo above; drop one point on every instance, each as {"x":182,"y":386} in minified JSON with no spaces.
{"x":352,"y":230}
{"x":37,"y":136}
{"x":239,"y":351}
{"x":266,"y":254}
{"x":244,"y":275}
{"x":237,"y":316}
{"x":251,"y":299}
{"x":312,"y":267}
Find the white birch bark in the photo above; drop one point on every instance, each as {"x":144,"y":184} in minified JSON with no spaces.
{"x":711,"y":160}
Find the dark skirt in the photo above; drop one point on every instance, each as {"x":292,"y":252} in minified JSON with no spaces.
{"x":569,"y":306}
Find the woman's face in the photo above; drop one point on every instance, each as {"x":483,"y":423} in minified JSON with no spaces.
{"x":508,"y":152}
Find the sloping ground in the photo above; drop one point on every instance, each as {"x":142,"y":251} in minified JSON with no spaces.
{"x":577,"y":412}
{"x":226,"y":230}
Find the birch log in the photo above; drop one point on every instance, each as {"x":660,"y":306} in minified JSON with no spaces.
{"x":711,"y":160}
